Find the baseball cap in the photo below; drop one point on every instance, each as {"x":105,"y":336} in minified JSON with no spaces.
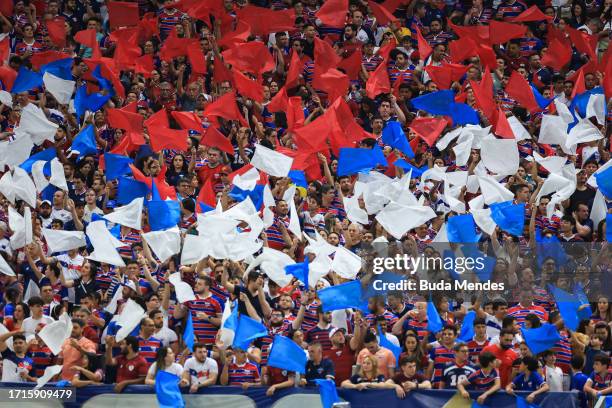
{"x":336,"y":330}
{"x":45,"y":202}
{"x":130,"y":285}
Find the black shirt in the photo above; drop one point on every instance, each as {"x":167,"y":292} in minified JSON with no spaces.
{"x":319,"y":371}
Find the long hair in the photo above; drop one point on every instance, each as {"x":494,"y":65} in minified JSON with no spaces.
{"x":374,"y":362}
{"x":160,"y":358}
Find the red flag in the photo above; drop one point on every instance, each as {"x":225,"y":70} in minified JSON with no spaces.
{"x":126,"y":55}
{"x":479,"y":34}
{"x":165,"y":138}
{"x":487,"y":56}
{"x":264,"y":21}
{"x":188,"y":120}
{"x":221,"y":72}
{"x":483,"y":93}
{"x":196,"y":57}
{"x":45,"y":57}
{"x":333,"y":13}
{"x":296,"y":67}
{"x":252,"y":57}
{"x":583,"y":42}
{"x":247,"y":87}
{"x":7,"y":76}
{"x":383,"y":16}
{"x":313,"y":137}
{"x":579,"y":86}
{"x":423,"y":46}
{"x":130,"y":122}
{"x":558,"y":55}
{"x":295,"y":113}
{"x":5,"y":50}
{"x":147,"y":27}
{"x":462,"y":49}
{"x":502,"y":126}
{"x":238,"y":36}
{"x":386,"y":49}
{"x":174,"y":47}
{"x":378,"y":82}
{"x":57,"y":31}
{"x":131,"y":107}
{"x":123,"y":14}
{"x":533,"y":13}
{"x":214,"y":138}
{"x":325,"y":56}
{"x":518,"y":88}
{"x":207,"y":195}
{"x":144,"y":65}
{"x":607,"y":81}
{"x":6,"y":8}
{"x":446,"y":74}
{"x":226,"y":107}
{"x":158,"y":120}
{"x":352,"y":65}
{"x":279,"y":101}
{"x":333,"y":82}
{"x":88,"y":39}
{"x":501,"y":33}
{"x":428,"y":129}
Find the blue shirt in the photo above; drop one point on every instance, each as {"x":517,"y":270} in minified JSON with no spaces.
{"x":531,"y":383}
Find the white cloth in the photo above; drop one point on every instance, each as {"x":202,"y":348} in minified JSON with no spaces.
{"x":271,"y":162}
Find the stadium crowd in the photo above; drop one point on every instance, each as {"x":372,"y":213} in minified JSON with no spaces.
{"x":188,"y":112}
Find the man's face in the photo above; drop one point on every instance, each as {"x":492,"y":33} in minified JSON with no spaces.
{"x":409,"y":369}
{"x":200,"y":286}
{"x":309,"y":32}
{"x":326,"y":317}
{"x":285,"y":302}
{"x":385,"y":108}
{"x":506,"y":340}
{"x":19,"y":346}
{"x":435,"y":27}
{"x":158,"y":320}
{"x":213,"y":157}
{"x":77,"y":331}
{"x":448,"y":336}
{"x":282,"y":208}
{"x":480,"y":330}
{"x":357,"y":18}
{"x":372,"y":347}
{"x":46,"y":293}
{"x":148,"y":327}
{"x":200,"y":354}
{"x":45,"y":210}
{"x":58,"y":198}
{"x":583,"y":212}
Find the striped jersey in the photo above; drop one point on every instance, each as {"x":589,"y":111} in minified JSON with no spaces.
{"x":167,"y":21}
{"x":128,"y":240}
{"x":240,"y":374}
{"x":148,"y":348}
{"x":311,"y":318}
{"x":599,"y":382}
{"x":519,"y":312}
{"x":42,"y":358}
{"x":511,"y":10}
{"x":403,"y":75}
{"x":319,"y":335}
{"x":371,"y":63}
{"x":204,"y":330}
{"x":475,"y":348}
{"x":454,"y":373}
{"x":563,"y":353}
{"x":440,"y":357}
{"x":274,"y":234}
{"x":481,"y":381}
{"x":420,"y":327}
{"x":390,"y":318}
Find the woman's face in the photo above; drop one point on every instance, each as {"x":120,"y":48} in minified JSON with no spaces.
{"x":602,"y":304}
{"x":19,"y":313}
{"x":148,"y":48}
{"x":178,"y":161}
{"x":169,"y":357}
{"x":367,"y":365}
{"x":273,"y":87}
{"x":411,"y":344}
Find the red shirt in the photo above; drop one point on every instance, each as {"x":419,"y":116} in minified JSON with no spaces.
{"x":205,"y":172}
{"x":131,"y":369}
{"x":506,"y":357}
{"x":343,"y":360}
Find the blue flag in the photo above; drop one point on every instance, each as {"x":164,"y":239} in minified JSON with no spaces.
{"x":585,"y":313}
{"x":248,"y":330}
{"x":484,"y":273}
{"x":541,"y":100}
{"x":475,"y":404}
{"x":463,"y":114}
{"x":104,"y":83}
{"x":436,"y":103}
{"x":85,"y":142}
{"x":462,"y":229}
{"x":287,"y":354}
{"x":116,"y":165}
{"x":328,"y":392}
{"x":129,"y":189}
{"x":434,"y":323}
{"x":394,"y":136}
{"x":359,"y":160}
{"x":384,"y":342}
{"x":46,"y":155}
{"x":188,"y":333}
{"x":604,"y":182}
{"x":60,"y":68}
{"x":92,"y":102}
{"x":542,"y":338}
{"x":256,"y":195}
{"x":300,"y":271}
{"x":549,"y":247}
{"x":509,"y":217}
{"x":568,"y":305}
{"x":26,"y":80}
{"x":608,"y":402}
{"x":163,"y":214}
{"x":342,"y":296}
{"x":299,"y":178}
{"x":609,"y":227}
{"x":417,"y":172}
{"x":167,"y":390}
{"x":467,"y":327}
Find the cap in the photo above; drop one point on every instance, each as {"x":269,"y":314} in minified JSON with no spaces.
{"x":45,"y":202}
{"x":130,"y":285}
{"x":336,"y":330}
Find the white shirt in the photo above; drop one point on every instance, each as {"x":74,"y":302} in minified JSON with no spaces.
{"x":491,"y":321}
{"x":61,"y":214}
{"x":166,"y":336}
{"x":554,"y":378}
{"x":175,"y":369}
{"x":200,"y":372}
{"x":29,"y":324}
{"x":71,"y":266}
